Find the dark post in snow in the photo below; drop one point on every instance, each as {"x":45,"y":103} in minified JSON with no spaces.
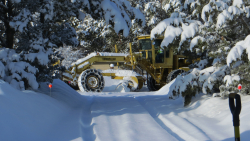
{"x":235,"y":110}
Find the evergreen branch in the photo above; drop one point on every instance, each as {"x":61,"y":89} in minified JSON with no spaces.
{"x":3,"y":6}
{"x":216,"y":33}
{"x":244,"y":22}
{"x":2,"y":17}
{"x":2,"y":42}
{"x":228,"y":38}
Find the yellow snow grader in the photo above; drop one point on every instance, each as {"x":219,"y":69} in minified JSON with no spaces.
{"x":153,"y":64}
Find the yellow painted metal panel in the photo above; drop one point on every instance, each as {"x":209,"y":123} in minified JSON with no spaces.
{"x":184,"y":68}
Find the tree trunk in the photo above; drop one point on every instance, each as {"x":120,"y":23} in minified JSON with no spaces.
{"x":9,"y":36}
{"x":42,"y":20}
{"x":9,"y":32}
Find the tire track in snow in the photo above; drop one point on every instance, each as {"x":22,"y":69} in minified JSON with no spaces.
{"x":193,"y":124}
{"x":87,"y":127}
{"x":124,"y":119}
{"x":205,"y":128}
{"x":155,"y":116}
{"x":175,"y":125}
{"x":112,"y":119}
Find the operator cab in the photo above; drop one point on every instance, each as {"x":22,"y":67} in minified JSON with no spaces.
{"x":151,"y":50}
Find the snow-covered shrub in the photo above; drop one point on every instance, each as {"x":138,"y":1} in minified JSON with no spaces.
{"x":199,"y":64}
{"x":207,"y":81}
{"x":18,"y":73}
{"x":68,"y":55}
{"x":238,"y":60}
{"x":213,"y":78}
{"x":230,"y":85}
{"x":186,"y":86}
{"x":38,"y":52}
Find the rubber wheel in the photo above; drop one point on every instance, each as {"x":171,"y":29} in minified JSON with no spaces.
{"x":152,"y":85}
{"x":75,"y":87}
{"x":173,"y":74}
{"x":91,"y":80}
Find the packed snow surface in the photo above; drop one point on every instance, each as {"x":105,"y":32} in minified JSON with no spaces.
{"x":63,"y":114}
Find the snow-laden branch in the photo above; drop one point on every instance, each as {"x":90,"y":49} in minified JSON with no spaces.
{"x":238,"y":3}
{"x":206,"y":9}
{"x":236,"y":52}
{"x":227,"y":14}
{"x":21,"y":20}
{"x":229,"y":79}
{"x":3,"y":6}
{"x":172,"y":29}
{"x":163,"y":25}
{"x":195,"y":40}
{"x":188,"y":31}
{"x":170,"y":34}
{"x":191,"y":83}
{"x":117,"y":13}
{"x":15,"y":70}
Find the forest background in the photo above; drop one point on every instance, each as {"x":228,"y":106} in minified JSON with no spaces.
{"x":35,"y":34}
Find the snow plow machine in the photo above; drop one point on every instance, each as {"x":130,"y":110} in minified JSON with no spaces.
{"x":152,"y":64}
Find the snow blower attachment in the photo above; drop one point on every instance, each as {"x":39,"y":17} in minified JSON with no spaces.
{"x":129,"y":83}
{"x":158,"y":65}
{"x":235,"y":110}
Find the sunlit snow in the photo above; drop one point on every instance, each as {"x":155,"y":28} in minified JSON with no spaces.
{"x":66,"y":115}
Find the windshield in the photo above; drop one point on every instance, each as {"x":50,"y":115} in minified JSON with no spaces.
{"x":145,"y":44}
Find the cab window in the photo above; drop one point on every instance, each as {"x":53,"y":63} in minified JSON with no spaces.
{"x":157,"y":43}
{"x":159,"y":56}
{"x":145,"y":44}
{"x":167,"y":53}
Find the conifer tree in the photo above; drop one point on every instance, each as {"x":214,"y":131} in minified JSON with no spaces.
{"x":33,"y":29}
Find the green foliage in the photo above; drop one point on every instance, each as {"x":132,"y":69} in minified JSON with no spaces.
{"x":243,"y":71}
{"x":190,"y":92}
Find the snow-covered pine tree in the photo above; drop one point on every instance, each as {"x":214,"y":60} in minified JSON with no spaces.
{"x":153,"y":12}
{"x":234,"y":24}
{"x":93,"y":34}
{"x":18,"y":73}
{"x":15,"y":71}
{"x":33,"y":28}
{"x":238,"y":60}
{"x":92,"y":31}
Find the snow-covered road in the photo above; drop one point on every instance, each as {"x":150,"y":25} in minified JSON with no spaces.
{"x":144,"y":116}
{"x":69,"y":115}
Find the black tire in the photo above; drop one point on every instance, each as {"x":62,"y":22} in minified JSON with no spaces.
{"x":91,"y":80}
{"x":173,"y":74}
{"x":152,"y":84}
{"x":75,"y":87}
